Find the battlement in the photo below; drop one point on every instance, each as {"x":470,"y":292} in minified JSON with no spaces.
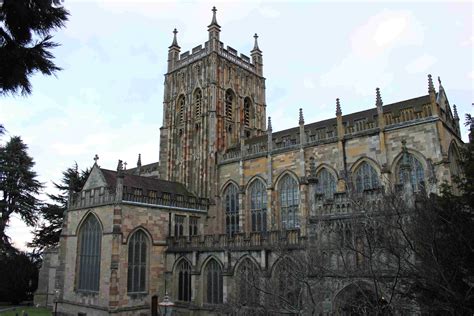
{"x":201,"y":51}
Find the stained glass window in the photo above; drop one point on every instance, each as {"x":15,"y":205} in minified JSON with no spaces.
{"x":326,"y":183}
{"x":258,"y":206}
{"x":415,"y":171}
{"x":366,"y":178}
{"x":289,"y":202}
{"x":184,"y":281}
{"x":231,"y":204}
{"x":137,"y":262}
{"x":213,"y":276}
{"x":90,"y":237}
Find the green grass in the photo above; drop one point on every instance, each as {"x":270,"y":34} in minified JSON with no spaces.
{"x":32,"y":311}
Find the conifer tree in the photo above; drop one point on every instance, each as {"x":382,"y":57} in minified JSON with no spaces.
{"x":47,"y":234}
{"x":26,"y":43}
{"x":18,"y":187}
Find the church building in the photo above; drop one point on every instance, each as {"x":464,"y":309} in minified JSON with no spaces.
{"x":228,"y":190}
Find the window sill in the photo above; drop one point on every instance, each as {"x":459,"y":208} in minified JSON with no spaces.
{"x":137,"y":295}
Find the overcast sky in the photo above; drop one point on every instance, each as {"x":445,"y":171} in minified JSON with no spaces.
{"x":107,"y":100}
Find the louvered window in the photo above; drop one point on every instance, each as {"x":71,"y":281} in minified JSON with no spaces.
{"x":229,"y":101}
{"x":197,"y":103}
{"x":247,"y":106}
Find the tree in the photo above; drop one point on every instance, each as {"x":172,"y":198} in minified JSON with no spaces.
{"x":26,"y":43}
{"x":18,"y":276}
{"x":47,"y":234}
{"x":18,"y":186}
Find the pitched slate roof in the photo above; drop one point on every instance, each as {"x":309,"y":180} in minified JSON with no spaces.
{"x":146,"y":183}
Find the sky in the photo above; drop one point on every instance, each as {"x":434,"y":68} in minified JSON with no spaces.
{"x":108,"y":98}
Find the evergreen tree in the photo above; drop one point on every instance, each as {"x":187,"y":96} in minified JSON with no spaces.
{"x":25,"y":41}
{"x":18,"y":187}
{"x":47,"y":234}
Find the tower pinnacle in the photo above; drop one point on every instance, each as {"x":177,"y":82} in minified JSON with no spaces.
{"x":214,"y":19}
{"x":430,"y":84}
{"x":378,"y":98}
{"x":175,"y":40}
{"x":301,"y":118}
{"x":255,"y":46}
{"x":338,"y":107}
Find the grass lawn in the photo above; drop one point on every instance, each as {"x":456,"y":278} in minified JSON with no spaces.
{"x":32,"y":311}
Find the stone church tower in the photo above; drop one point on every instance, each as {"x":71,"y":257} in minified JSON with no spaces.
{"x":213,"y":98}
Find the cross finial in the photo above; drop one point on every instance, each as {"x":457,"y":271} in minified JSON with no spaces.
{"x":175,"y":39}
{"x":255,"y":46}
{"x":214,"y":19}
{"x":338,"y":107}
{"x":96,"y":157}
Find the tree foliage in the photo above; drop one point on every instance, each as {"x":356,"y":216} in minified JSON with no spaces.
{"x":26,"y":43}
{"x":18,"y":276}
{"x":18,"y":186}
{"x":47,"y":234}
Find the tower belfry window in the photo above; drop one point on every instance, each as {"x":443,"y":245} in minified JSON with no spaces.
{"x":247,"y":105}
{"x":229,"y":100}
{"x":197,"y":103}
{"x":181,"y":109}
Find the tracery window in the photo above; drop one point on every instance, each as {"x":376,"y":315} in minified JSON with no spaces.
{"x":416,"y":173}
{"x":366,"y":178}
{"x":213,"y":276}
{"x":326,"y":184}
{"x":231,"y":204}
{"x":90,"y":237}
{"x":184,"y":281}
{"x":289,"y":201}
{"x":247,"y":106}
{"x":179,"y":225}
{"x":258,"y":206}
{"x":248,"y":282}
{"x":287,"y":283}
{"x":181,"y":105}
{"x":229,"y":101}
{"x":137,"y":262}
{"x":197,"y":103}
{"x":193,"y":226}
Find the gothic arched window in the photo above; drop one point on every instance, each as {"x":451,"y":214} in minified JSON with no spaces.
{"x":213,"y":275}
{"x":258,"y":206}
{"x":137,"y":262}
{"x":248,"y":283}
{"x":90,"y":237}
{"x":289,"y":202}
{"x":197,"y":103}
{"x":231,"y":204}
{"x":229,"y":104}
{"x":181,"y":105}
{"x":366,"y":178}
{"x":184,"y":281}
{"x":416,"y":173}
{"x":326,"y":184}
{"x":247,"y":108}
{"x":287,"y":285}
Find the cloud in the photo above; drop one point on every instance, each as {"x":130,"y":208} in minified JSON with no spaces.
{"x":421,"y":64}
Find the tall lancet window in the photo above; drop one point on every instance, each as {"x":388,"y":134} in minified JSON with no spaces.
{"x":197,"y":103}
{"x":366,"y":178}
{"x":289,"y":202}
{"x":213,"y":275}
{"x":90,"y":236}
{"x":137,"y":262}
{"x":231,"y":205}
{"x":326,"y":184}
{"x":247,"y":109}
{"x":258,"y":206}
{"x":416,"y":173}
{"x":184,"y":281}
{"x":181,"y":109}
{"x":229,"y":105}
